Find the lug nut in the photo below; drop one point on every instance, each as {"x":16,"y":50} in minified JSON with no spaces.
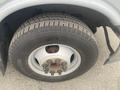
{"x":59,"y":72}
{"x":46,"y":70}
{"x":64,"y":68}
{"x":57,"y":61}
{"x":45,"y":66}
{"x":63,"y":63}
{"x":49,"y":61}
{"x":52,"y":72}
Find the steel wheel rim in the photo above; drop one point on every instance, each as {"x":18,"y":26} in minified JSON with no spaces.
{"x":64,"y":53}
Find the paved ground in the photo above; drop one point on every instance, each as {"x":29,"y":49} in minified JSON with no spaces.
{"x":100,"y":77}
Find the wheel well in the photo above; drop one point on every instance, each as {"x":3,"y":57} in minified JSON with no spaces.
{"x":92,"y":18}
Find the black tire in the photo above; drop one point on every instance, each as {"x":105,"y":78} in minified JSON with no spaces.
{"x":48,"y":29}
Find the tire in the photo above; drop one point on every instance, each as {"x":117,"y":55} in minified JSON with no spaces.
{"x":49,"y":29}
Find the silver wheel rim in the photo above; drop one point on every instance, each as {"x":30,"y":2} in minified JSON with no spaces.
{"x":54,"y":60}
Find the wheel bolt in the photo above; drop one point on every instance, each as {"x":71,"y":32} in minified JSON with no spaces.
{"x":52,"y":72}
{"x":57,"y":61}
{"x":49,"y":61}
{"x":45,"y":66}
{"x":59,"y":72}
{"x":46,"y":70}
{"x":63,"y":63}
{"x":64,"y":68}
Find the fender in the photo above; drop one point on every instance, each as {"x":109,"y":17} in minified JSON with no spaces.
{"x":101,"y":6}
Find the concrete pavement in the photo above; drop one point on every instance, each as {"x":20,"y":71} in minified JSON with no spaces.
{"x":99,"y":77}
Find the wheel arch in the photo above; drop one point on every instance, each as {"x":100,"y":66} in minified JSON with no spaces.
{"x":89,"y":16}
{"x":94,"y":13}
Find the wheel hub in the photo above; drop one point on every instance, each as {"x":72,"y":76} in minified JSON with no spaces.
{"x":55,"y":66}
